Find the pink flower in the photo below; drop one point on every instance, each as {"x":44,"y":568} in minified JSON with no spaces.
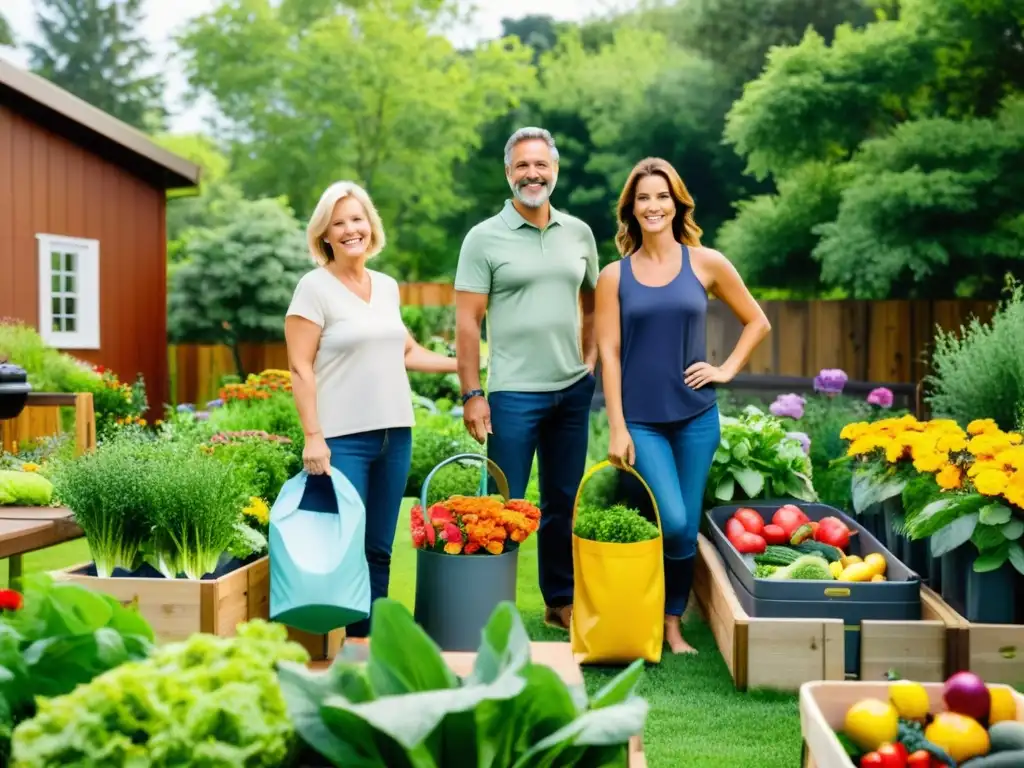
{"x":882,"y":397}
{"x":830,"y":381}
{"x":788,"y":405}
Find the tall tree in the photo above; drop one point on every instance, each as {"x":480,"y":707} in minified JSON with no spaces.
{"x":6,"y":34}
{"x":96,"y":50}
{"x":368,"y":91}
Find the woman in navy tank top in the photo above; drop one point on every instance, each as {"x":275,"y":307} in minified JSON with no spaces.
{"x":659,"y":387}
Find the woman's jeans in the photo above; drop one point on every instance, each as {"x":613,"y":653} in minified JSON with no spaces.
{"x":674,"y":459}
{"x":377,"y":464}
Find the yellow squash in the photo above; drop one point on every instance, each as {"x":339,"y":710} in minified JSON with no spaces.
{"x":877,"y":561}
{"x":857,"y":572}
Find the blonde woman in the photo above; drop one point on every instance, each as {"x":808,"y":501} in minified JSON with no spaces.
{"x":349,"y":351}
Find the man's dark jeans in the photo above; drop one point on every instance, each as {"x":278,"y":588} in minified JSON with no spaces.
{"x":556,"y":426}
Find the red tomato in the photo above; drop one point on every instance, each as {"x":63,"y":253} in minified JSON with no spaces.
{"x":734,"y":529}
{"x":920,"y":759}
{"x":871,"y":760}
{"x":750,"y":520}
{"x":893,"y":755}
{"x":789,"y":517}
{"x":773,"y":534}
{"x":748,"y":543}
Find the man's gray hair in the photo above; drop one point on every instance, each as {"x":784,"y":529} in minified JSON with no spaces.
{"x":525,"y":134}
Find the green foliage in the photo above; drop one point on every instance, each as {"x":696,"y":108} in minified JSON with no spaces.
{"x":435,"y":438}
{"x":205,"y":701}
{"x":454,"y":480}
{"x":238,"y":279}
{"x":6,"y":34}
{"x":63,"y":636}
{"x":404,"y":706}
{"x":897,"y":143}
{"x":756,"y":459}
{"x":96,"y":50}
{"x":616,"y":525}
{"x":276,"y":415}
{"x":260,"y":462}
{"x":24,"y":489}
{"x":395,"y":113}
{"x":979,"y":372}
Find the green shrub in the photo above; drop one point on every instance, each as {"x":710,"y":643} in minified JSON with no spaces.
{"x":434,"y":438}
{"x":260,"y":461}
{"x":276,"y":415}
{"x":454,"y":480}
{"x":979,"y":372}
{"x":616,"y":525}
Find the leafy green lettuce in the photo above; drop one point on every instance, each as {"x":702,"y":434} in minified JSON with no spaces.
{"x":404,"y":708}
{"x":206,"y":702}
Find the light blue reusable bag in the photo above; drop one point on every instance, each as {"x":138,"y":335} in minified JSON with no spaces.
{"x":319,"y":579}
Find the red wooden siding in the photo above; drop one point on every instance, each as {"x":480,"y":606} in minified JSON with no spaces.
{"x":51,"y":185}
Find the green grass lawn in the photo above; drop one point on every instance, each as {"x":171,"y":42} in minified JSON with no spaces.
{"x":696,"y":719}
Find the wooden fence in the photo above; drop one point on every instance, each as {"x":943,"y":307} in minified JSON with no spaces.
{"x":878,"y":341}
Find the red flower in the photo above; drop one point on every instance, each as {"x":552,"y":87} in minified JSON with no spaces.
{"x":10,"y":600}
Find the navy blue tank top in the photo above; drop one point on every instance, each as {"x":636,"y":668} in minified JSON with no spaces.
{"x":663,"y":334}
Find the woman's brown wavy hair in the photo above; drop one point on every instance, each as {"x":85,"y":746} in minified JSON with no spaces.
{"x":684,"y":228}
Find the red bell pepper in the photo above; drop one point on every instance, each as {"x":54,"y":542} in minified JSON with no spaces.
{"x":774,"y":534}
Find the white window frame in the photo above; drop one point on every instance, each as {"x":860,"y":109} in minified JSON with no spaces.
{"x":87,"y":292}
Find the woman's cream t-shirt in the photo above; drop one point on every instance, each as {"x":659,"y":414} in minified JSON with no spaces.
{"x":361,"y":382}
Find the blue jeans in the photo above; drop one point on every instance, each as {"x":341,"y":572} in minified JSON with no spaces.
{"x":675,"y":459}
{"x":377,"y":465}
{"x":555,"y":426}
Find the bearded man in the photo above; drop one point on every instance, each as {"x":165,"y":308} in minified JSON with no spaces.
{"x":531,"y":269}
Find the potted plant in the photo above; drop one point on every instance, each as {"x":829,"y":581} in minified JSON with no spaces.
{"x":467,"y":557}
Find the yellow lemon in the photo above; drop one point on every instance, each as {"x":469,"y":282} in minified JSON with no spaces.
{"x":871,"y":723}
{"x":1003,"y":706}
{"x":877,"y":562}
{"x":909,"y":698}
{"x":835,"y":569}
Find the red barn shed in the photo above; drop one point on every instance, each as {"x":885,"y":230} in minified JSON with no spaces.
{"x":83,"y":242}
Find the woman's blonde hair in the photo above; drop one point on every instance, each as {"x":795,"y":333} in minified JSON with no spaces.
{"x":320,"y":250}
{"x":684,"y":228}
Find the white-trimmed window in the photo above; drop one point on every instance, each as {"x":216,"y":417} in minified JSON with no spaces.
{"x":69,"y":292}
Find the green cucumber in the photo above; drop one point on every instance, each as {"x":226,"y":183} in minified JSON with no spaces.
{"x":1013,"y":759}
{"x":827,"y":551}
{"x":1007,"y":736}
{"x":776,"y":555}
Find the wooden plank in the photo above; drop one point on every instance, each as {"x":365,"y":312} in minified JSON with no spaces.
{"x":785,"y":653}
{"x":995,"y":652}
{"x":19,"y":537}
{"x":915,"y":649}
{"x":36,"y":514}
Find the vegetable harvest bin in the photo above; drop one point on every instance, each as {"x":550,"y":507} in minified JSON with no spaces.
{"x":178,"y":608}
{"x":823,"y":707}
{"x":897,"y":599}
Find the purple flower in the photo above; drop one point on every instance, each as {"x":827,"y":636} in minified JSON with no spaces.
{"x":805,"y":441}
{"x":830,"y":381}
{"x":202,"y":415}
{"x":882,"y":397}
{"x":186,"y":408}
{"x":213,"y":404}
{"x":790,"y":405}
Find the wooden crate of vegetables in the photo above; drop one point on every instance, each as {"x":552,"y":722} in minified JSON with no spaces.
{"x":901,"y":723}
{"x":811,"y":561}
{"x":786,"y":653}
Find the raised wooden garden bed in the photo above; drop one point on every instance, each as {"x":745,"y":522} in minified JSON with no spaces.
{"x":994,"y":652}
{"x":786,"y":653}
{"x":178,"y":608}
{"x":823,"y":707}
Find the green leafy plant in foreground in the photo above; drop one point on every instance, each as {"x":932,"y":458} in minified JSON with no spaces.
{"x":405,"y":708}
{"x":207,"y":701}
{"x":63,"y":635}
{"x":618,"y":524}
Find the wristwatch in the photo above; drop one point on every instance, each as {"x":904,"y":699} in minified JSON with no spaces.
{"x":471,"y":394}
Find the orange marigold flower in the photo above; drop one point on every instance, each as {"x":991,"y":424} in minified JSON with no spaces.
{"x":495,"y":547}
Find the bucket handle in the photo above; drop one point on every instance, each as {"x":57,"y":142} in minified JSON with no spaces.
{"x":624,"y":467}
{"x":492,"y":469}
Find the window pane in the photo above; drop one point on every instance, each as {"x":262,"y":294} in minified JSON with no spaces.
{"x":69,"y":262}
{"x":55,"y":307}
{"x":55,"y":283}
{"x":69,"y":283}
{"x":55,"y":261}
{"x":69,"y":324}
{"x":56,"y":324}
{"x":69,"y":307}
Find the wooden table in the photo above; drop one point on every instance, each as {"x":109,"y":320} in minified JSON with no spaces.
{"x":26,"y":529}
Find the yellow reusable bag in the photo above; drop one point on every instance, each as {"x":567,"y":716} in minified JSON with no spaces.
{"x":618,"y":612}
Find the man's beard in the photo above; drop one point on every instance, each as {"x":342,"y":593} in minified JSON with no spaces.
{"x":537,"y":200}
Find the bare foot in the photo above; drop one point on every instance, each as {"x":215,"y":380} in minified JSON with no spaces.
{"x":674,"y":636}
